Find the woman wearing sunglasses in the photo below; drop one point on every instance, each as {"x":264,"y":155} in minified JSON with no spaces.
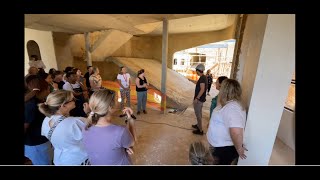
{"x":63,"y":131}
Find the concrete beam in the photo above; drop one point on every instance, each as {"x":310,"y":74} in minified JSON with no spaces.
{"x":101,"y":38}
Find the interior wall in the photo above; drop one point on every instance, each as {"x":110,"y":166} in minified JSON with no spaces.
{"x":250,"y":53}
{"x":45,"y":42}
{"x":286,"y":131}
{"x":270,"y":89}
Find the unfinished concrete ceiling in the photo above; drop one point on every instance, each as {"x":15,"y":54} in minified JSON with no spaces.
{"x":135,"y":24}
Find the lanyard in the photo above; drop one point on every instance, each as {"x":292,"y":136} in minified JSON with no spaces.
{"x":125,"y":78}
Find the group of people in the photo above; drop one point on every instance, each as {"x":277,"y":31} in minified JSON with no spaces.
{"x":226,"y":124}
{"x":64,"y":114}
{"x":141,"y":84}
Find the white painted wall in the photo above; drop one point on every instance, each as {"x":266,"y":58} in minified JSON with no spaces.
{"x":286,"y":131}
{"x":270,"y":89}
{"x":45,"y":42}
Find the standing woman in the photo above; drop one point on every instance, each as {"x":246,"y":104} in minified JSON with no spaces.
{"x":105,"y":142}
{"x":209,"y":78}
{"x":64,"y":131}
{"x":124,"y":83}
{"x":36,"y":147}
{"x":226,"y":125}
{"x":95,"y":80}
{"x":141,"y":88}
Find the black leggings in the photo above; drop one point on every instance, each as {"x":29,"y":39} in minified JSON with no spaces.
{"x":224,"y":155}
{"x":209,"y":87}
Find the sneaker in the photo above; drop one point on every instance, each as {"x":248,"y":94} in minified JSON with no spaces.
{"x":197,"y":132}
{"x":144,"y":111}
{"x":138,"y":112}
{"x":195,"y":126}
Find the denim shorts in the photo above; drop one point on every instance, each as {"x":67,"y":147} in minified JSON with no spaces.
{"x":39,"y":154}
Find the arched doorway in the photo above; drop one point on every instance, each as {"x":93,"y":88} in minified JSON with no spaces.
{"x":33,"y":50}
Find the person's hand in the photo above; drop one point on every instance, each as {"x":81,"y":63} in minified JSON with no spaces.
{"x":129,"y":150}
{"x":195,"y":101}
{"x":241,"y":152}
{"x":128,"y":111}
{"x":55,"y":86}
{"x":86,"y":107}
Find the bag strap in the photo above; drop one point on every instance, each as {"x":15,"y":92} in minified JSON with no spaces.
{"x":54,"y":126}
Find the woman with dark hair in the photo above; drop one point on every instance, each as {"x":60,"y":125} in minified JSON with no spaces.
{"x":63,"y":131}
{"x":226,"y":125}
{"x":105,"y":142}
{"x":141,"y":88}
{"x":58,"y":78}
{"x":36,"y":147}
{"x":209,"y":78}
{"x":48,"y":78}
{"x":214,"y":100}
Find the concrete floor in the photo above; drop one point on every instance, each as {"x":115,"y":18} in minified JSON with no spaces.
{"x":282,"y":154}
{"x":161,"y":144}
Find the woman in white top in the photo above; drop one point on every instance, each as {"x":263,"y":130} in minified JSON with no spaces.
{"x":95,"y":80}
{"x":124,"y":83}
{"x":63,"y":131}
{"x":226,"y":126}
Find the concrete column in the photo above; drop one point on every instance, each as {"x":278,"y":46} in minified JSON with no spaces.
{"x":88,"y":53}
{"x":275,"y":67}
{"x":164,"y":65}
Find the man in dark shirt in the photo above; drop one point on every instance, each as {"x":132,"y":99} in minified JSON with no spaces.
{"x":36,"y":147}
{"x":87,"y":76}
{"x":199,"y":98}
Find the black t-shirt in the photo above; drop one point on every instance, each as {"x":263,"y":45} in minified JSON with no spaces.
{"x":60,"y":84}
{"x":35,"y":118}
{"x":87,"y":76}
{"x":209,"y":78}
{"x":202,"y":79}
{"x":141,"y":82}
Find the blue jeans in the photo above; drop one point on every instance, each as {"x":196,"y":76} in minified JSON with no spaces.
{"x":142,"y":100}
{"x":39,"y":154}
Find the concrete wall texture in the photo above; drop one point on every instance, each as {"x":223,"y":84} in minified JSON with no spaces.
{"x":45,"y":43}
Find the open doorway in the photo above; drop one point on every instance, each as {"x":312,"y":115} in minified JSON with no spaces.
{"x":215,"y":56}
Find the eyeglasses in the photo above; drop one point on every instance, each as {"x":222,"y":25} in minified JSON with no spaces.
{"x":73,"y":99}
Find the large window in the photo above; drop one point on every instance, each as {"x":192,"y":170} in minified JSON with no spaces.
{"x":291,"y":99}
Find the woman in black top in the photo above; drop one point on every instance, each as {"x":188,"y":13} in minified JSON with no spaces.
{"x":141,"y":88}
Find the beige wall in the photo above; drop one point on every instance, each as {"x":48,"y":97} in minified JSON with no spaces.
{"x":70,"y":49}
{"x":250,"y":53}
{"x":45,"y":43}
{"x":286,"y":131}
{"x":273,"y":75}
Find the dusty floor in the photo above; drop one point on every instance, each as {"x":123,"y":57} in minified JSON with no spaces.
{"x":165,"y":139}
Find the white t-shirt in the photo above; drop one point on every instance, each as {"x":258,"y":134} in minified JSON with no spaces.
{"x":222,"y":119}
{"x":37,"y":64}
{"x":66,"y":140}
{"x":69,"y":87}
{"x":125,"y":80}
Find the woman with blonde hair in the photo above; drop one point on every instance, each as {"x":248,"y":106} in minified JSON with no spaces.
{"x":226,"y":125}
{"x":63,"y":131}
{"x":105,"y":142}
{"x":95,"y":80}
{"x":199,"y":154}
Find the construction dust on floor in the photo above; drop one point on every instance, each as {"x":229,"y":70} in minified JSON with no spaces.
{"x":164,"y":139}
